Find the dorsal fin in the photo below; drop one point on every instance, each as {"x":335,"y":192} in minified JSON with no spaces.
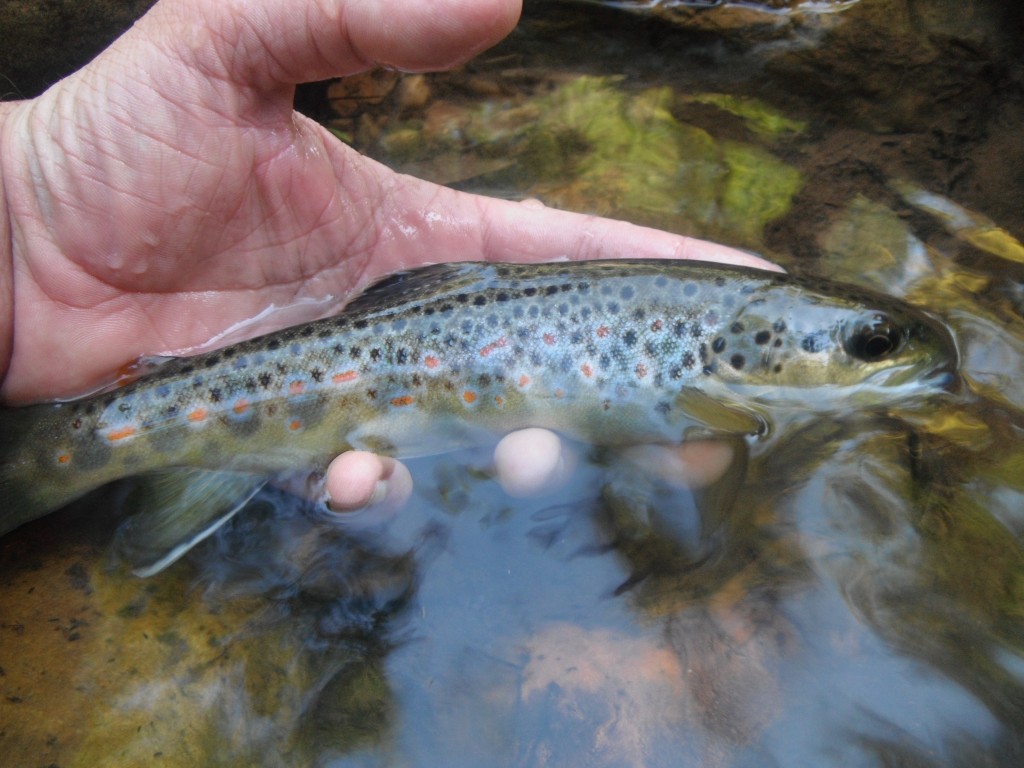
{"x":424,"y":282}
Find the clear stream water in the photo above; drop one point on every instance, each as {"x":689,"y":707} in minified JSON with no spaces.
{"x":852,"y":593}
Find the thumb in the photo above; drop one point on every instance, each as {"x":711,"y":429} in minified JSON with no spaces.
{"x":271,"y":43}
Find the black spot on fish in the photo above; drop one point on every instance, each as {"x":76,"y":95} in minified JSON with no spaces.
{"x":675,"y":372}
{"x":216,"y":395}
{"x":813,"y":342}
{"x":417,"y":380}
{"x":186,"y":370}
{"x":604,"y":361}
{"x":565,"y":287}
{"x":265,"y":380}
{"x":688,"y":360}
{"x":326,"y":333}
{"x":90,"y":408}
{"x":582,"y":287}
{"x":613,"y":308}
{"x":626,"y":293}
{"x":211,"y":361}
{"x":447,"y":307}
{"x":629,"y":338}
{"x":428,"y":311}
{"x":777,"y":343}
{"x":703,"y":352}
{"x":695,"y":331}
{"x":372,"y":394}
{"x":502,"y":296}
{"x":359,"y":325}
{"x":551,"y":290}
{"x":680,"y":329}
{"x":529,"y":291}
{"x":639,"y":314}
{"x":762,"y":337}
{"x":779,"y":326}
{"x":737,"y":362}
{"x":402,"y":356}
{"x":707,"y":370}
{"x":281,"y":368}
{"x":719,"y":281}
{"x":480,"y":300}
{"x":274,"y":344}
{"x":462,"y":298}
{"x":317,"y":374}
{"x":650,"y":349}
{"x":355,"y":352}
{"x":306,"y":330}
{"x":124,"y":406}
{"x":718,"y":345}
{"x":375,"y":354}
{"x":777,"y":368}
{"x":736,"y":327}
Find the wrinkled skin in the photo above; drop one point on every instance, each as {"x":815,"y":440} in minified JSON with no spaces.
{"x":168,"y":191}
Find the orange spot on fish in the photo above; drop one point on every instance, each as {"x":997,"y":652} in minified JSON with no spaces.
{"x":120,"y":434}
{"x":524,"y":381}
{"x":499,"y":400}
{"x":64,"y":458}
{"x":295,"y":426}
{"x":341,"y":378}
{"x":656,"y":325}
{"x":199,"y":414}
{"x":641,"y":370}
{"x":549,"y":338}
{"x":559,"y":393}
{"x":469,"y":396}
{"x":587,"y":370}
{"x":603,"y":331}
{"x":296,"y":388}
{"x":485,"y":351}
{"x":403,"y":400}
{"x":431,"y":362}
{"x":240,"y":406}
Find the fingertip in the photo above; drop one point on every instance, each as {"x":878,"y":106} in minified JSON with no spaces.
{"x":694,"y":465}
{"x":532,"y":461}
{"x":359,"y":480}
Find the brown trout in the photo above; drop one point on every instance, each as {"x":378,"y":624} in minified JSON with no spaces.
{"x":613,"y":352}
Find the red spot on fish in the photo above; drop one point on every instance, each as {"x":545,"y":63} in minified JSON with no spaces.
{"x":641,"y":370}
{"x":603,"y":331}
{"x":64,"y":458}
{"x":431,"y":362}
{"x":403,"y":400}
{"x":524,"y":381}
{"x":296,"y":388}
{"x":549,"y":338}
{"x":485,"y":351}
{"x":656,"y":325}
{"x":295,"y":426}
{"x":240,"y":406}
{"x":341,"y":378}
{"x":199,"y":414}
{"x":120,"y":434}
{"x":499,"y":400}
{"x":469,"y":396}
{"x":587,"y":370}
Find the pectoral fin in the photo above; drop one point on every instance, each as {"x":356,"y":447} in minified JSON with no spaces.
{"x":717,"y":415}
{"x":178,"y":509}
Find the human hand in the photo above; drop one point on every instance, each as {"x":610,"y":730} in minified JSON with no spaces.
{"x":168,"y":192}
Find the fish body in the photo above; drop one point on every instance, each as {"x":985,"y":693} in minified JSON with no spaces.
{"x":608,"y":352}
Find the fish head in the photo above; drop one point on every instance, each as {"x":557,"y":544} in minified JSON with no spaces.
{"x":802,"y":346}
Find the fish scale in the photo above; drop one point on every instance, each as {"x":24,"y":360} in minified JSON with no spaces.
{"x":611,"y":352}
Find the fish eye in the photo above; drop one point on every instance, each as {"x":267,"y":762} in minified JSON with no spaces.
{"x":874,"y":340}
